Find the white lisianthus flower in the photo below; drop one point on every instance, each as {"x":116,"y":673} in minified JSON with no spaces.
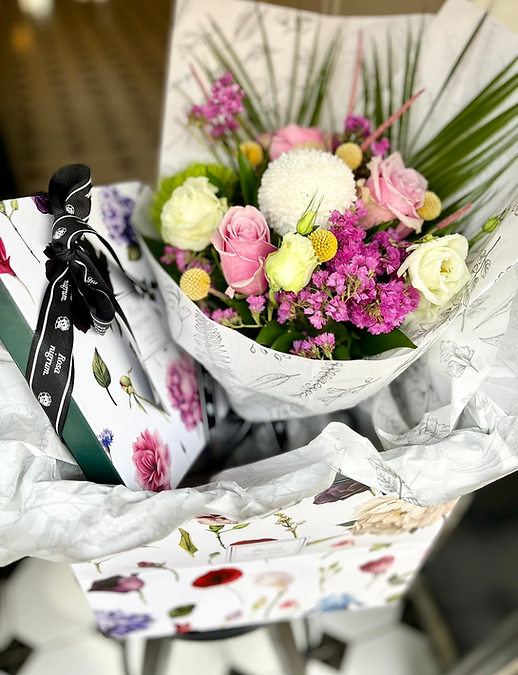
{"x":290,"y":183}
{"x":437,"y":269}
{"x":290,"y":268}
{"x":192,"y":214}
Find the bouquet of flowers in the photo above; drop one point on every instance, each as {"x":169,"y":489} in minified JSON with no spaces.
{"x":306,"y":266}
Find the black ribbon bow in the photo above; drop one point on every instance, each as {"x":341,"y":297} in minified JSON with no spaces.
{"x":74,"y":279}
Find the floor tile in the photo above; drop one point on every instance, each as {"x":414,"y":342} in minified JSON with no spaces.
{"x":399,"y":651}
{"x":44,"y":603}
{"x":93,"y":654}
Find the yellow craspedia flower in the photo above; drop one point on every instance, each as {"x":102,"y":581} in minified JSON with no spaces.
{"x":253,"y":152}
{"x":195,"y":283}
{"x":432,"y":207}
{"x":324,"y":244}
{"x":351,"y":154}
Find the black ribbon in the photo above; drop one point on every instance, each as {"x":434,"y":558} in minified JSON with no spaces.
{"x":73,"y":279}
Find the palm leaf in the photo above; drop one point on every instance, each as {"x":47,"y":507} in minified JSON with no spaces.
{"x":413,"y":61}
{"x":270,"y":68}
{"x":448,"y":78}
{"x":294,"y":70}
{"x":321,"y":84}
{"x":304,"y":103}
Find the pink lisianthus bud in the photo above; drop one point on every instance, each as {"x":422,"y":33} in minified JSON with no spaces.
{"x":392,"y":192}
{"x":291,"y":138}
{"x":243,"y":243}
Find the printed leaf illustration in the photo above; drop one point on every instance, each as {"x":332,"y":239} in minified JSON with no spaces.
{"x":458,"y":358}
{"x":270,"y":380}
{"x":186,"y":542}
{"x":240,"y":526}
{"x":376,"y":547}
{"x":494,"y":340}
{"x":2,"y":207}
{"x":181,"y":611}
{"x":500,"y":309}
{"x":395,"y":598}
{"x":102,"y":374}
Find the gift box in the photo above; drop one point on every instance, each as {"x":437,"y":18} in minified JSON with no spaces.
{"x":135,"y":393}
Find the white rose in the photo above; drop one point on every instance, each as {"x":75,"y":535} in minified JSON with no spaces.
{"x":192,"y":214}
{"x":437,"y":269}
{"x":290,"y":268}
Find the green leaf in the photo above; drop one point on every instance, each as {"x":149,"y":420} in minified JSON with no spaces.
{"x":241,"y":526}
{"x":2,"y":207}
{"x":269,"y":65}
{"x":14,"y":205}
{"x":371,"y":345}
{"x":349,"y":523}
{"x":285,"y":342}
{"x":216,"y":528}
{"x":395,"y":598}
{"x":342,"y":353}
{"x":269,"y":333}
{"x":181,"y":611}
{"x":100,"y":371}
{"x":214,"y":555}
{"x":186,"y":542}
{"x":248,"y":179}
{"x":377,"y":547}
{"x":139,"y":404}
{"x":294,"y":70}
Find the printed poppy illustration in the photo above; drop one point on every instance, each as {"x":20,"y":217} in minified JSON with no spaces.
{"x":219,"y":577}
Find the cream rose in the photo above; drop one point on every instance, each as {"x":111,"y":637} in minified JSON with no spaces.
{"x":437,"y":269}
{"x":290,"y":268}
{"x":192,"y":214}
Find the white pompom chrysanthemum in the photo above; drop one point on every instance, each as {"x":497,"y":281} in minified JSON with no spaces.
{"x":291,"y":181}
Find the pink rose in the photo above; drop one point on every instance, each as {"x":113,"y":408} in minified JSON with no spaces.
{"x":291,"y":137}
{"x":393,"y":192}
{"x":152,"y":461}
{"x":182,"y":385}
{"x":243,"y":243}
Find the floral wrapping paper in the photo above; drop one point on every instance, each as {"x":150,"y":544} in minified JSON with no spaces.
{"x":342,"y":549}
{"x":139,"y":394}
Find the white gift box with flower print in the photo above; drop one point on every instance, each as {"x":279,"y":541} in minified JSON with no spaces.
{"x":152,"y":435}
{"x":343,"y":549}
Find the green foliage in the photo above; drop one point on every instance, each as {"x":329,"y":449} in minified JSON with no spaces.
{"x":221,"y":176}
{"x":370,"y":345}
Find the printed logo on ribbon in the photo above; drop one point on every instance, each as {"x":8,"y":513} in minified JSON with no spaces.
{"x":59,"y":233}
{"x":62,"y":323}
{"x":70,"y":209}
{"x":45,"y":399}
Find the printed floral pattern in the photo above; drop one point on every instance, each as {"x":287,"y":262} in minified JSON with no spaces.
{"x":116,"y":213}
{"x":152,"y":461}
{"x":182,"y":385}
{"x":226,"y":575}
{"x":118,"y":624}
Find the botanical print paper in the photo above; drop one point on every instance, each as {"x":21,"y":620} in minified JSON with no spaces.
{"x":112,"y":381}
{"x":342,"y":549}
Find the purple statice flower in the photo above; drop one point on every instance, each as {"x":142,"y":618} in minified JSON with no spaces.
{"x":120,"y":624}
{"x":225,"y":317}
{"x":318,"y":347}
{"x":116,"y":211}
{"x":380,"y":147}
{"x":359,"y":125}
{"x":256,"y":303}
{"x":42,"y":203}
{"x":222,"y":108}
{"x":106,"y":439}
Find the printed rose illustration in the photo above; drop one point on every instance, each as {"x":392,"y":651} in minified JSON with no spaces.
{"x":389,"y":516}
{"x":225,"y":575}
{"x":119,"y":624}
{"x":182,"y":385}
{"x":214,"y":519}
{"x":377,"y":567}
{"x":152,"y":461}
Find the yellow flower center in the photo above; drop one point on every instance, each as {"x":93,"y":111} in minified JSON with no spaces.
{"x":432,"y":207}
{"x":195,"y":283}
{"x":351,"y":154}
{"x":253,"y":152}
{"x":324,"y":243}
